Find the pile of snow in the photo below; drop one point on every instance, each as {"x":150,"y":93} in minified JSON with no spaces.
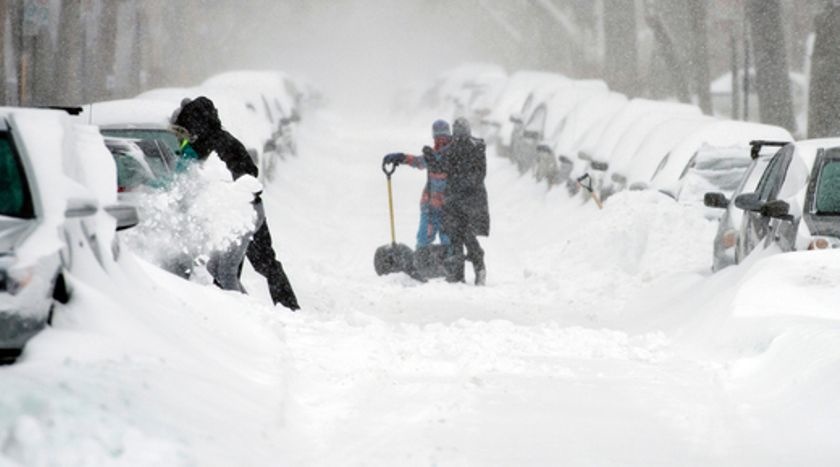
{"x":200,"y":214}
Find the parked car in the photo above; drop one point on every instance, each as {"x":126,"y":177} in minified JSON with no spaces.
{"x":58,"y":212}
{"x":669,"y":175}
{"x":497,"y":127}
{"x":626,"y":155}
{"x":772,"y":213}
{"x":646,"y":157}
{"x":585,"y":122}
{"x":546,"y":119}
{"x":729,"y":222}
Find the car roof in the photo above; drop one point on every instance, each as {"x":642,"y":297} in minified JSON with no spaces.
{"x":721,"y":133}
{"x":135,"y":112}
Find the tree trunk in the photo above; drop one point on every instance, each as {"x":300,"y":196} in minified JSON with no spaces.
{"x":4,"y":16}
{"x":698,"y":12}
{"x":824,"y":98}
{"x":771,"y":70}
{"x":104,"y":52}
{"x":71,"y":37}
{"x":620,"y":49}
{"x":673,"y":67}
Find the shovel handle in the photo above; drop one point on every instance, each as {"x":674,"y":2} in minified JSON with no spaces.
{"x":388,"y":173}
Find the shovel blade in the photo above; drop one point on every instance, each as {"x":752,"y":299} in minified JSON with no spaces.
{"x":393,"y":258}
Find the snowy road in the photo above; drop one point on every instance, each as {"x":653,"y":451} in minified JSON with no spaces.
{"x":600,"y":339}
{"x":520,"y":372}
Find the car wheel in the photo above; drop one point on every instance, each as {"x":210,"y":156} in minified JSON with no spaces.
{"x":61,"y":293}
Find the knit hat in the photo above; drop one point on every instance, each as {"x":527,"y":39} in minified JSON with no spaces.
{"x":440,"y":128}
{"x":461,"y":128}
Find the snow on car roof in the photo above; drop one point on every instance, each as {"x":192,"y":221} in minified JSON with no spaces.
{"x":516,"y":91}
{"x":722,"y":133}
{"x":586,"y":115}
{"x":629,"y":114}
{"x":623,"y":156}
{"x":566,"y":98}
{"x":137,"y":112}
{"x":257,"y":84}
{"x":656,"y":145}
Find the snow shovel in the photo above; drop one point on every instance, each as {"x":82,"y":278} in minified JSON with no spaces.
{"x":588,"y":187}
{"x":395,"y":257}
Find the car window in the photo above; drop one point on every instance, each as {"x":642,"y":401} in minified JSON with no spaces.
{"x":166,"y":136}
{"x":15,"y":198}
{"x":773,"y":176}
{"x":130,"y":173}
{"x":156,"y":160}
{"x":537,"y":120}
{"x":828,"y":189}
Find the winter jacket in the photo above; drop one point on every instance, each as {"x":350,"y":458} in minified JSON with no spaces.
{"x":465,"y":165}
{"x":201,"y":119}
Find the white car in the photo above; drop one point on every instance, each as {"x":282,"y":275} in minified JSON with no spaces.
{"x":670,"y":173}
{"x":58,"y":213}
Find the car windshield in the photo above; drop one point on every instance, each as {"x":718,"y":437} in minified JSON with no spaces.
{"x":15,"y":198}
{"x":166,"y":136}
{"x":828,"y":189}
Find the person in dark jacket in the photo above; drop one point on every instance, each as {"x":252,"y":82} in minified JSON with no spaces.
{"x":465,"y":211}
{"x":199,"y":120}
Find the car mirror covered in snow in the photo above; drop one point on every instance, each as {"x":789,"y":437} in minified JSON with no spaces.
{"x":715,"y":200}
{"x":80,"y":207}
{"x":748,"y":202}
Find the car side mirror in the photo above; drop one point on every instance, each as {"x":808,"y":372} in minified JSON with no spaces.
{"x":715,"y":200}
{"x":776,"y":209}
{"x":126,"y":215}
{"x":748,"y":202}
{"x":516,"y":118}
{"x":531,"y":134}
{"x":638,"y":186}
{"x":542,"y":147}
{"x":598,"y":165}
{"x":80,"y":207}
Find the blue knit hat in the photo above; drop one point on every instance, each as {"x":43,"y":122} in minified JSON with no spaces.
{"x":440,"y":128}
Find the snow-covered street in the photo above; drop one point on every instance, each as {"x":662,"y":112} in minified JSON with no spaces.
{"x":600,"y":339}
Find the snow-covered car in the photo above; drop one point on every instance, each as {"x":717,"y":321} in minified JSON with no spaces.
{"x":482,"y":90}
{"x":586,"y":121}
{"x":273,"y":96}
{"x":653,"y":147}
{"x":545,"y":122}
{"x":772,"y":213}
{"x":511,"y":138}
{"x":58,"y":212}
{"x":669,"y":175}
{"x":497,"y":126}
{"x":139,"y":119}
{"x":729,"y":222}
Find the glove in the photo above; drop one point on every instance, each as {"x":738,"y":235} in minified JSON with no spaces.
{"x":395,"y":158}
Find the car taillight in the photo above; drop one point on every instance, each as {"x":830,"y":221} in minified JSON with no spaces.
{"x":819,"y":244}
{"x":729,"y":238}
{"x":18,"y":278}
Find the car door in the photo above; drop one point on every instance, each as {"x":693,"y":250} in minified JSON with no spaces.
{"x":755,"y":226}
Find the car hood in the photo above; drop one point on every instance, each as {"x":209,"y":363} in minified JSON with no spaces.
{"x":13,"y":232}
